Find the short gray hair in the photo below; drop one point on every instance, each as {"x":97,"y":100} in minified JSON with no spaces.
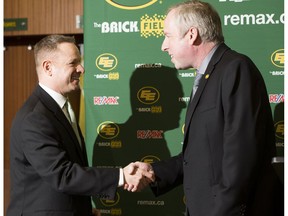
{"x":200,"y":15}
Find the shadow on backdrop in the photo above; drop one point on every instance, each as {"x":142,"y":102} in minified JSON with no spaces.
{"x":156,"y":108}
{"x":278,"y":161}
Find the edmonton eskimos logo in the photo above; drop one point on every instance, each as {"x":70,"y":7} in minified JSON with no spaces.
{"x":129,"y":6}
{"x":109,"y":203}
{"x":108,"y":130}
{"x":148,"y":95}
{"x":106,"y":62}
{"x":279,"y":129}
{"x":277,"y":58}
{"x":150,"y":159}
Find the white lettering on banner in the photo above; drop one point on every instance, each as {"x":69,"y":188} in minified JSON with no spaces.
{"x":101,"y":76}
{"x":112,"y":211}
{"x":106,"y":211}
{"x":151,"y":202}
{"x":187,"y":74}
{"x":144,"y":109}
{"x":253,"y":19}
{"x":144,"y":65}
{"x":110,"y":76}
{"x":106,"y":144}
{"x":184,"y":99}
{"x":116,"y":27}
{"x":277,"y":73}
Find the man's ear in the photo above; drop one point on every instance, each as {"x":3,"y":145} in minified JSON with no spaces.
{"x":193,"y":34}
{"x":47,"y":67}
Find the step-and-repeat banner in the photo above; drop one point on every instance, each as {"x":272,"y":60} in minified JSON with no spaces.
{"x":135,"y":101}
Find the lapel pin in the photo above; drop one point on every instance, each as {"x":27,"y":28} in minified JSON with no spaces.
{"x":207,"y":76}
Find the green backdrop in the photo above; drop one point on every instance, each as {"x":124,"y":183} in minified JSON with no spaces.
{"x":135,"y":101}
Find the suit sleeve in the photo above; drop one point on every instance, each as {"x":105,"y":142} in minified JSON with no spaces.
{"x":42,"y":144}
{"x":169,"y":174}
{"x":245,"y":108}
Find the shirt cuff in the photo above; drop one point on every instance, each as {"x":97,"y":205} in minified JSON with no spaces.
{"x":121,"y":178}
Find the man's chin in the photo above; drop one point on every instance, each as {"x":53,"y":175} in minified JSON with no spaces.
{"x":179,"y":67}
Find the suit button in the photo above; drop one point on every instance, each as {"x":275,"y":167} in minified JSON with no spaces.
{"x":185,"y":162}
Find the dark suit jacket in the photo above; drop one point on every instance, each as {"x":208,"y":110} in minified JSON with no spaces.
{"x":49,"y":170}
{"x":225,"y":165}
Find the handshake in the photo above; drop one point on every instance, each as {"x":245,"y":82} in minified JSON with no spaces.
{"x":137,"y":176}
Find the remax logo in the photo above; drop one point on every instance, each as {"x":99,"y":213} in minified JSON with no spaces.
{"x":130,"y":6}
{"x":276,"y":98}
{"x":277,"y":58}
{"x":106,"y":100}
{"x":150,"y":134}
{"x":106,"y":62}
{"x":108,"y":130}
{"x":148,"y":95}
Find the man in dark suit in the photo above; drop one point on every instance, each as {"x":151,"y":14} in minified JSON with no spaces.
{"x":49,"y":168}
{"x":225,"y":166}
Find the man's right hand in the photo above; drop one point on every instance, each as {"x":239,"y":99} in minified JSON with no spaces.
{"x":137,"y":176}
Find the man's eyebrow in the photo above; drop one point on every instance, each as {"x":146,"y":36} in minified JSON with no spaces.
{"x":74,"y":61}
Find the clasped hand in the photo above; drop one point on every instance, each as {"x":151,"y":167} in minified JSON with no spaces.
{"x":137,"y":176}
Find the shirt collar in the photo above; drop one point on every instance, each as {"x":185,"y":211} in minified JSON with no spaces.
{"x":206,"y":61}
{"x":60,"y":99}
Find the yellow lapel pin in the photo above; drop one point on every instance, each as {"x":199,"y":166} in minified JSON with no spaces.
{"x":207,"y":76}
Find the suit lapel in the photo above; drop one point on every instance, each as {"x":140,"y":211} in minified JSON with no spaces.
{"x":203,"y":82}
{"x":53,"y":106}
{"x":195,"y":100}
